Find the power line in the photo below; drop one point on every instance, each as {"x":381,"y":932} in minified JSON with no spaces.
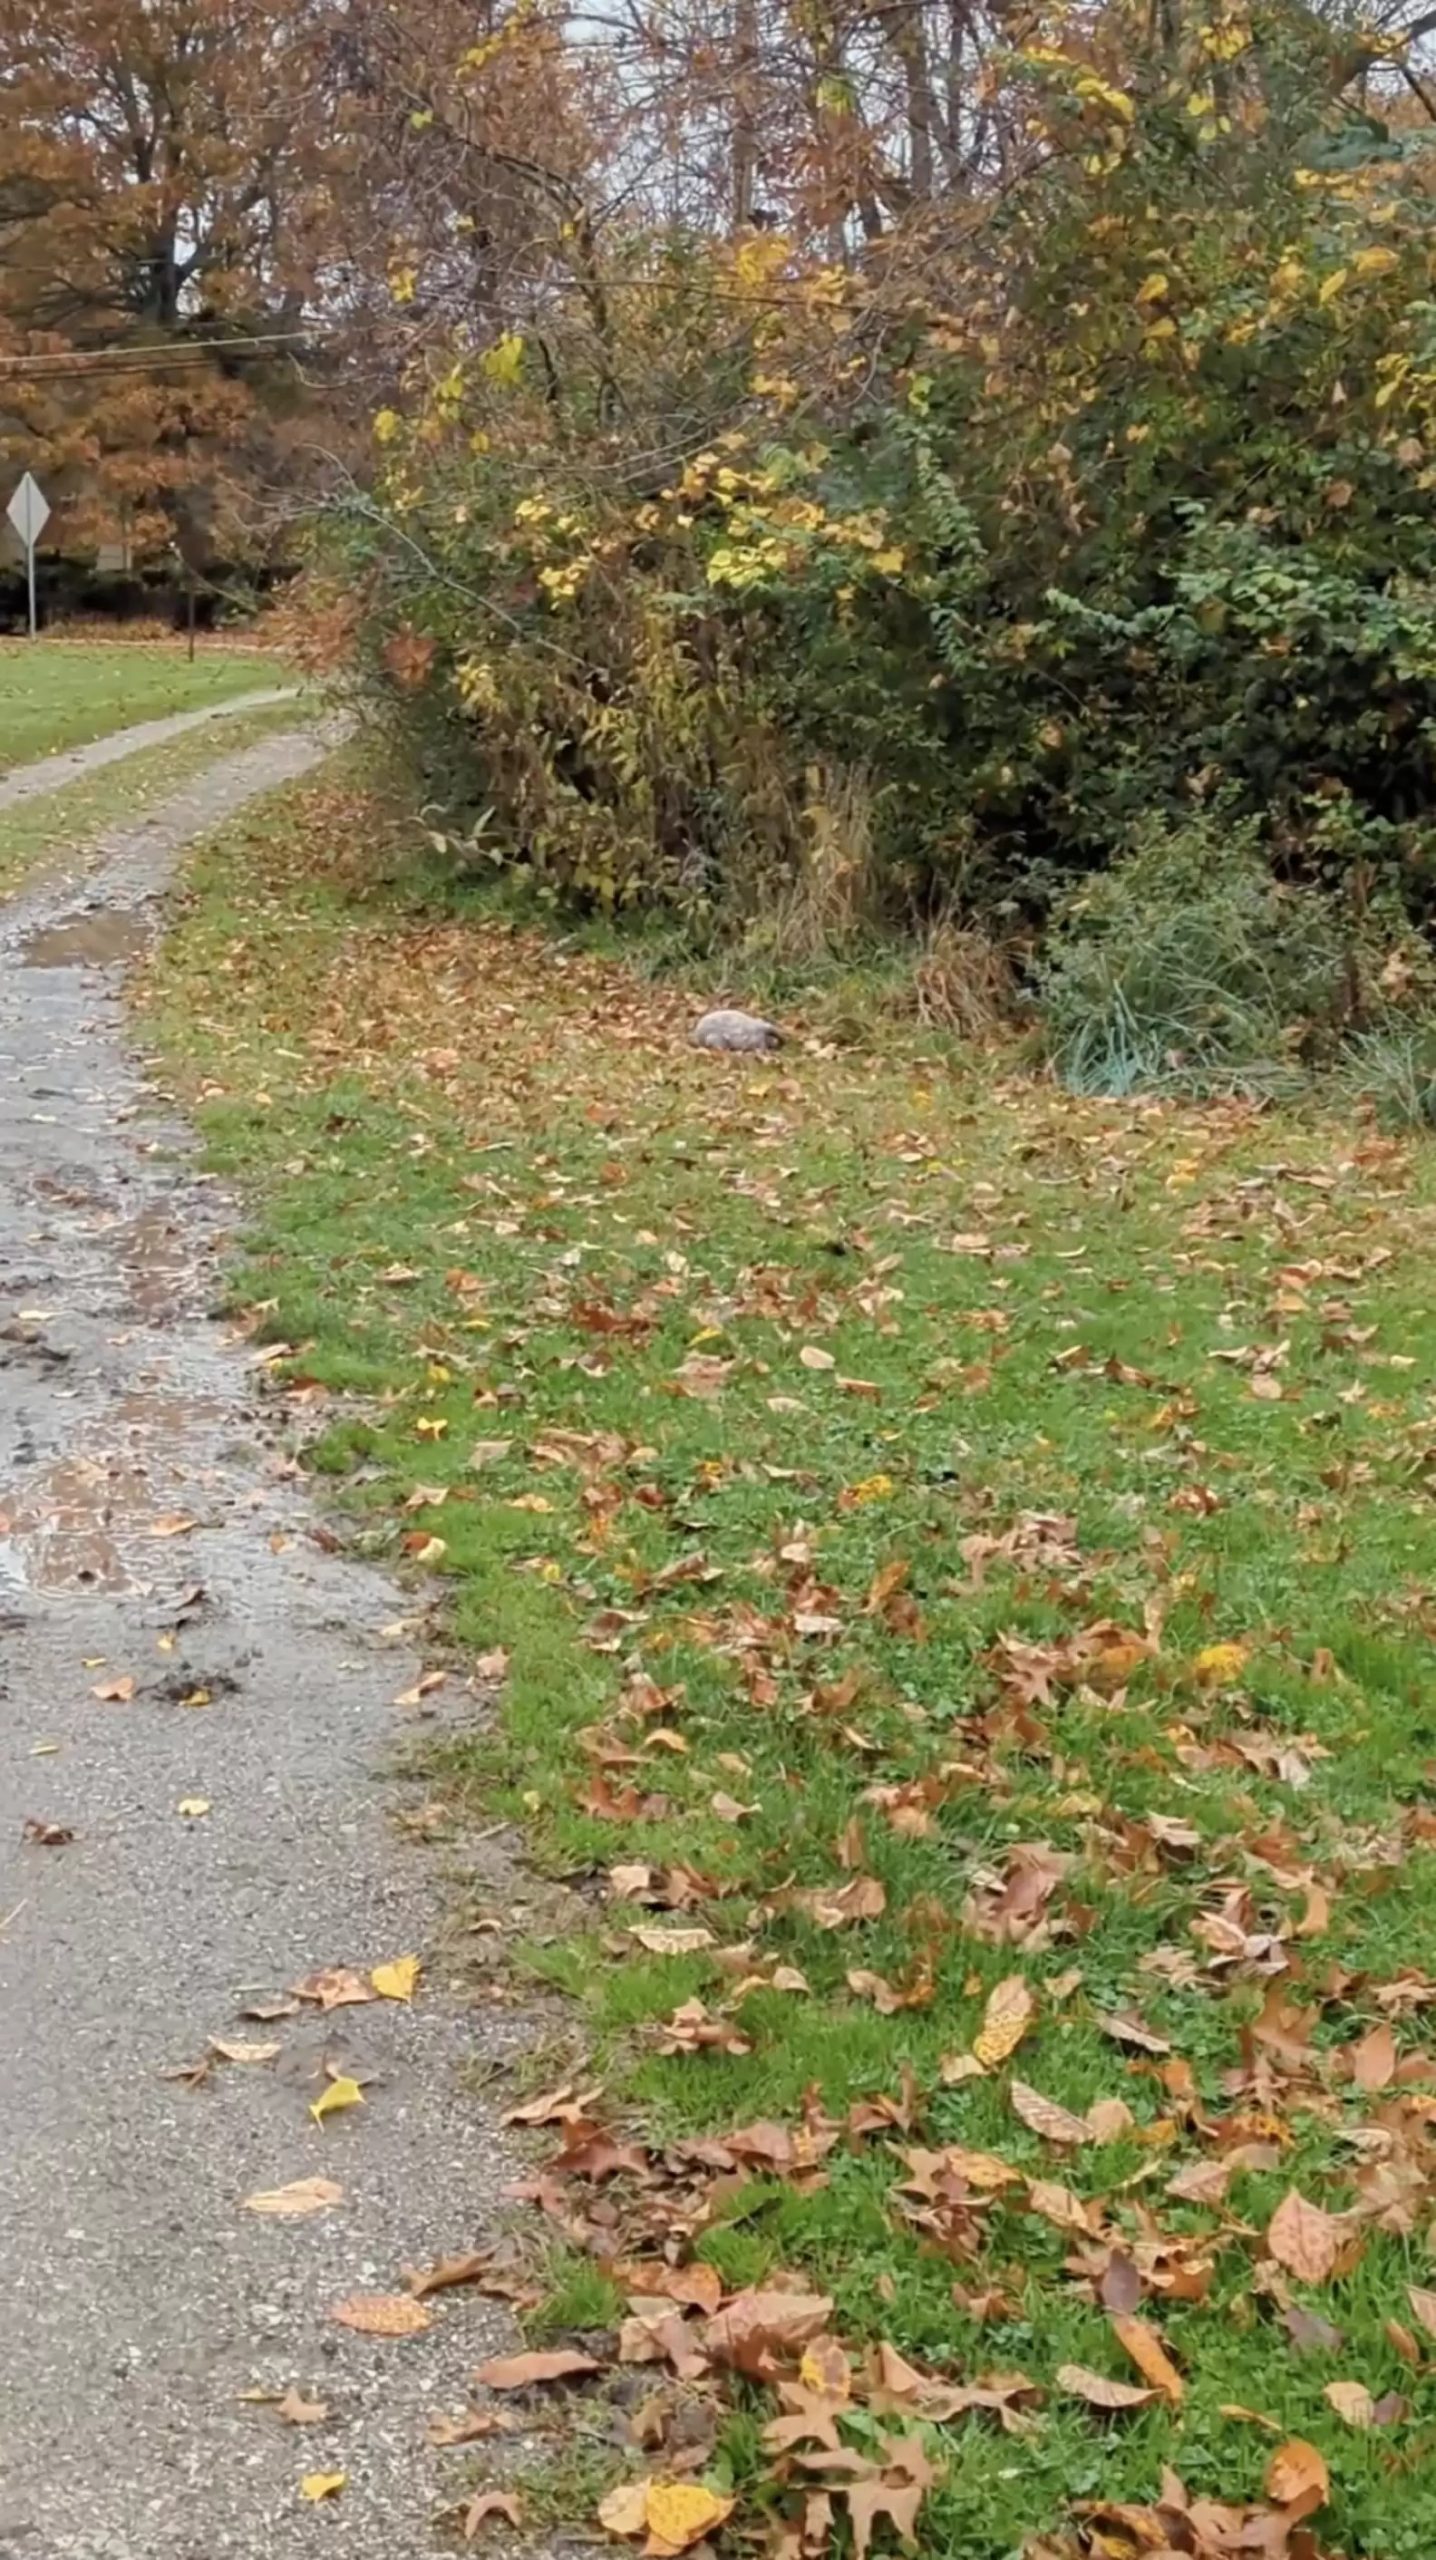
{"x":120,"y":358}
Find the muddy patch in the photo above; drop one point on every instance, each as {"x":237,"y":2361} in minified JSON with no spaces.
{"x":93,"y":938}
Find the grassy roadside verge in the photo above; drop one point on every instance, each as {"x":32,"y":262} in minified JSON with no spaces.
{"x":950,"y":1541}
{"x":56,"y":694}
{"x":118,"y":793}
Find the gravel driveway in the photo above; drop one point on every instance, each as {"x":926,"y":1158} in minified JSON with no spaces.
{"x":176,"y":1633}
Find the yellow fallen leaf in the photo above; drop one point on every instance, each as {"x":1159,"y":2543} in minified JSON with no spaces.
{"x":396,"y":1981}
{"x":673,"y":2513}
{"x":1009,"y":2013}
{"x":194,"y":1808}
{"x":1217,"y":1665}
{"x":680,"y":2512}
{"x":321,"y":2484}
{"x":340,"y":2093}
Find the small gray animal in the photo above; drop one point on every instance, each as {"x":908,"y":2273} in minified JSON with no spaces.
{"x":727,"y":1029}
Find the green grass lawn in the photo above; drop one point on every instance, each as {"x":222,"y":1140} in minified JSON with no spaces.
{"x":66,"y":820}
{"x":61,"y":693}
{"x":947,"y":1534}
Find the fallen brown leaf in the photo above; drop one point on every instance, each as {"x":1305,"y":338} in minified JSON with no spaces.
{"x":469,"y":2427}
{"x":1100,"y":2392}
{"x":1352,"y":2402}
{"x":382,"y":2315}
{"x":1309,"y":2332}
{"x":1045,"y":2116}
{"x":491,"y":2502}
{"x":1373,"y":2060}
{"x":519,"y":2373}
{"x":1119,"y":2287}
{"x":303,"y":2195}
{"x":296,"y":2411}
{"x":335,"y":1987}
{"x":1150,"y":2357}
{"x":625,"y":2509}
{"x":1297,"y":2477}
{"x":1423,"y":2302}
{"x":1304,"y":2239}
{"x":557,"y":2106}
{"x":47,"y":1835}
{"x":758,"y":2332}
{"x":472,"y":2269}
{"x":1125,"y":2027}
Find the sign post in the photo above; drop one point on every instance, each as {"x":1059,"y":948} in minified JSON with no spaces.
{"x":29,"y":512}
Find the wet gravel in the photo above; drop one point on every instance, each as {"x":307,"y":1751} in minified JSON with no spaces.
{"x":141,"y":2302}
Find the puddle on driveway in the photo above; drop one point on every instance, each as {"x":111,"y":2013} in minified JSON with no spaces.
{"x":86,"y":1523}
{"x":56,"y":1534}
{"x":89,"y":939}
{"x":158,"y":1263}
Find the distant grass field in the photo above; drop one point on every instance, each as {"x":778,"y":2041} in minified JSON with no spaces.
{"x":66,"y":821}
{"x":61,"y":693}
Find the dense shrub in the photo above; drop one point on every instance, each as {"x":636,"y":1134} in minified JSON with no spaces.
{"x":938,"y":587}
{"x":1393,"y":1071}
{"x":1187,"y":965}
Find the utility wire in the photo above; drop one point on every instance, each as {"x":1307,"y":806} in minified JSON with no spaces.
{"x":121,"y":358}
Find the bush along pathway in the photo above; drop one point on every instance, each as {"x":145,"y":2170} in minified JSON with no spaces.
{"x":960,"y":1562}
{"x":240,"y":2177}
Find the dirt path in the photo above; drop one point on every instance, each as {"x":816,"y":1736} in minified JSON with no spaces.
{"x":141,"y":2301}
{"x":51,"y":773}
